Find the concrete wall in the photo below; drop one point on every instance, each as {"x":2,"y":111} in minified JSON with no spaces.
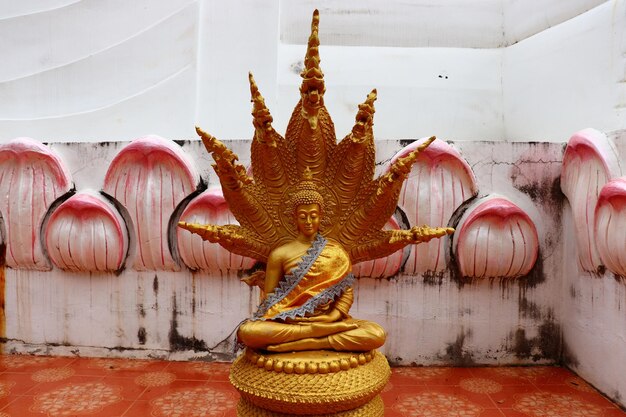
{"x":593,"y":302}
{"x":432,"y":316}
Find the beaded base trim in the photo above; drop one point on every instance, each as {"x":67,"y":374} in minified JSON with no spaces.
{"x":295,"y":363}
{"x":310,"y":393}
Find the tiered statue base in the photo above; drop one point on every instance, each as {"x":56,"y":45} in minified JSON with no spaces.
{"x":312,"y":383}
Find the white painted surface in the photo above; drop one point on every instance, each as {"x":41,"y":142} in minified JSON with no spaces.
{"x":568,"y":78}
{"x":431,"y":319}
{"x":594,"y":323}
{"x":427,"y":23}
{"x":590,"y":161}
{"x":94,"y":71}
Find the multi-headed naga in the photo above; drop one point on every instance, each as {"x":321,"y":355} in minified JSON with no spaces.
{"x":311,"y":210}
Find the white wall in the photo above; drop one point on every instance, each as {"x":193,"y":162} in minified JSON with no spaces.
{"x":94,"y":71}
{"x":91,"y":70}
{"x":593,"y":319}
{"x":432,"y":318}
{"x":568,"y":78}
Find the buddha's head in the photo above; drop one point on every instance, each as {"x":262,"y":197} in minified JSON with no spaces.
{"x":308,"y":205}
{"x":308,"y":217}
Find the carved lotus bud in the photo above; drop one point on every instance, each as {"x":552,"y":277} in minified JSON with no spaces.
{"x":496,"y":238}
{"x":610,"y":224}
{"x":86,"y":233}
{"x":33,"y":177}
{"x":439,"y":182}
{"x":150,"y":177}
{"x":590,"y":161}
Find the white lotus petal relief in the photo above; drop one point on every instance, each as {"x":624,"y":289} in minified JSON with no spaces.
{"x":210,"y":207}
{"x":86,"y":233}
{"x":439,"y":182}
{"x":496,"y":238}
{"x":150,"y":177}
{"x":32,"y":177}
{"x":590,"y":161}
{"x":610,"y":224}
{"x":385,"y":267}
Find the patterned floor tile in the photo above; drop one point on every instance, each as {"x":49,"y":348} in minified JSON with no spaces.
{"x":62,"y":387}
{"x":200,"y":371}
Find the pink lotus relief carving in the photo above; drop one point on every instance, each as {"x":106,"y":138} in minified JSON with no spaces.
{"x":86,"y":233}
{"x":610,"y":226}
{"x":210,"y":207}
{"x":150,"y":177}
{"x":590,"y":161}
{"x":382,"y":267}
{"x":32,"y":177}
{"x":439,"y":182}
{"x":494,"y":239}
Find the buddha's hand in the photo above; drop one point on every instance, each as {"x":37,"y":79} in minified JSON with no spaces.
{"x":425,"y":233}
{"x":418,"y":234}
{"x":256,"y":279}
{"x":330,"y":317}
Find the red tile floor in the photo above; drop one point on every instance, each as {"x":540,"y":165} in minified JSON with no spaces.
{"x":53,"y":386}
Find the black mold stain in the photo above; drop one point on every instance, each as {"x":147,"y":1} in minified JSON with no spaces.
{"x":547,"y":344}
{"x":178,"y":342}
{"x":572,"y":291}
{"x":550,"y":340}
{"x":456,"y":355}
{"x":142,"y":310}
{"x":397,"y":361}
{"x":406,"y":142}
{"x":433,"y":279}
{"x":141,"y":335}
{"x":536,"y":275}
{"x":155,"y":289}
{"x":568,"y":359}
{"x":521,"y":345}
{"x":546,"y":192}
{"x":528,"y":309}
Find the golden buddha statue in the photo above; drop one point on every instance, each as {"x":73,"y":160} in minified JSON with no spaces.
{"x":309,"y":294}
{"x":311,"y":210}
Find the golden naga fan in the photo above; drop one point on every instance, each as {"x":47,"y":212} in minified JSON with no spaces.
{"x":356,"y":205}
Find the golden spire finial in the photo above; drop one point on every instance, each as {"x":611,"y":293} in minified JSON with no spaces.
{"x":262,"y":119}
{"x":312,"y":89}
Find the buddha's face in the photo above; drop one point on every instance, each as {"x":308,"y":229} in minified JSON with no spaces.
{"x":308,"y":219}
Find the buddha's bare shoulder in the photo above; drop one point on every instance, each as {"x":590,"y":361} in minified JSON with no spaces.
{"x":287,"y":250}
